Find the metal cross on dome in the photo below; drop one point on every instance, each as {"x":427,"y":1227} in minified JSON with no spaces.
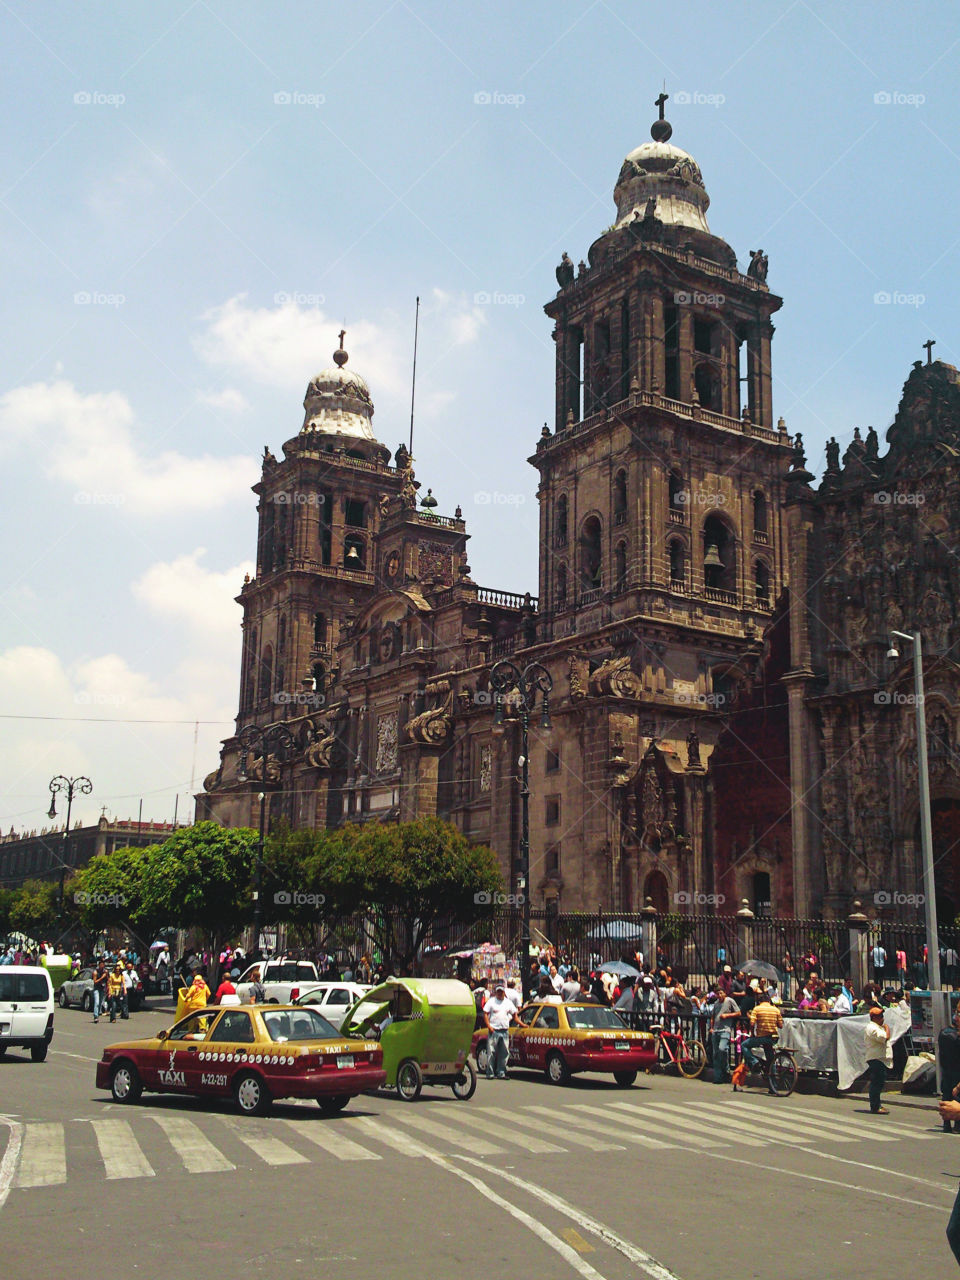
{"x":661,"y":102}
{"x":928,"y":347}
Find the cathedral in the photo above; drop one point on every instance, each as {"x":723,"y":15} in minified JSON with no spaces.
{"x":725,"y":723}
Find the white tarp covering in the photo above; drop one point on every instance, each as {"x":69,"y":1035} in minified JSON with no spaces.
{"x":838,"y":1044}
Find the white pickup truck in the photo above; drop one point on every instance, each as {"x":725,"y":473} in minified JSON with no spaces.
{"x":283,"y":980}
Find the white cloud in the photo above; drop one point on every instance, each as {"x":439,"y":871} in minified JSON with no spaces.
{"x":88,"y":442}
{"x":183,"y":591}
{"x":229,"y":400}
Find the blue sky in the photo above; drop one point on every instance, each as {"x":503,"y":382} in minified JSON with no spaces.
{"x":197,"y":195}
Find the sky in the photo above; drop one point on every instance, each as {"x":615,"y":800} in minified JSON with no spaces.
{"x":195,"y":196}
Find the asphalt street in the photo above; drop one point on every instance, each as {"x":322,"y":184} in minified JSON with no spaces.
{"x":671,"y":1179}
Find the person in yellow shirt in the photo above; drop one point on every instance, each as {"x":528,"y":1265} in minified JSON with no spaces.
{"x":198,"y":993}
{"x":115,"y":990}
{"x":766,"y":1021}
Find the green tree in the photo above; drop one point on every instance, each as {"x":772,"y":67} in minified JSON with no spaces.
{"x":109,"y":891}
{"x":35,"y":910}
{"x":7,"y":899}
{"x":200,"y":878}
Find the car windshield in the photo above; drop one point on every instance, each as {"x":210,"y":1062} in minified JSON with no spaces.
{"x":368,"y":1012}
{"x":297,"y":1024}
{"x":586,"y":1016}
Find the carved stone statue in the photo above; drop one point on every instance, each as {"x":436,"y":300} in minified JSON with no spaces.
{"x":757,"y":269}
{"x":799,"y":460}
{"x":615,"y":678}
{"x":402,"y":457}
{"x":693,"y":750}
{"x":268,"y":459}
{"x":433,"y":725}
{"x":833,"y":455}
{"x":565,"y":272}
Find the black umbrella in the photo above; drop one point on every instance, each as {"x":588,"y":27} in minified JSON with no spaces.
{"x":760,"y":969}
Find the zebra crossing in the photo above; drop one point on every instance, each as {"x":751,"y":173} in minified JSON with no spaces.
{"x":144,"y":1145}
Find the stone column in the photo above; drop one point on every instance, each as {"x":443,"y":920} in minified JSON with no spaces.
{"x":648,"y":932}
{"x":745,"y":918}
{"x":685,"y":354}
{"x":765,"y":405}
{"x":857,"y":925}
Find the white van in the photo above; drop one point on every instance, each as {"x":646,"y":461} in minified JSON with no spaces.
{"x":26,"y":1009}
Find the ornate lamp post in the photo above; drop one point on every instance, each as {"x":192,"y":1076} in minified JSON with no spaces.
{"x":274,"y":740}
{"x":926,"y":836}
{"x":70,"y":787}
{"x":506,"y":677}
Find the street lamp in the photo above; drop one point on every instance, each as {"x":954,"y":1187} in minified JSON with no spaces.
{"x":926,"y":838}
{"x":505,"y":677}
{"x":274,"y":740}
{"x":70,"y":787}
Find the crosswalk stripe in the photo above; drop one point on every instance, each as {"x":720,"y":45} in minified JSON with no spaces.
{"x":565,"y":1135}
{"x":642,"y":1139}
{"x":869,"y":1125}
{"x":530,"y":1143}
{"x":120,"y":1151}
{"x":447,"y":1133}
{"x":663,"y":1124}
{"x":826,"y":1130}
{"x":605,"y":1131}
{"x":43,"y":1159}
{"x":683,"y":1117}
{"x":194,"y":1148}
{"x":332,"y":1139}
{"x":793,"y":1130}
{"x":270,"y":1150}
{"x":377,"y":1130}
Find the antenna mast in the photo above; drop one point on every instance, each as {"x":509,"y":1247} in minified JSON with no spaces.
{"x":413,"y":388}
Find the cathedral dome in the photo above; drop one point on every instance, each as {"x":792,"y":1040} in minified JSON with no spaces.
{"x":659,"y":180}
{"x":338,"y":402}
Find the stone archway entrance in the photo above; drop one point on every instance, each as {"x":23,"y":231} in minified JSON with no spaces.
{"x":656,"y":889}
{"x":946,"y":858}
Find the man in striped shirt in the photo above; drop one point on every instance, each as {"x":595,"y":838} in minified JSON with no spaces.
{"x":766,"y":1020}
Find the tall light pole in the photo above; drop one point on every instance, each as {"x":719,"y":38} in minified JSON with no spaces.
{"x":506,"y":677}
{"x":273,"y":740}
{"x":926,"y":826}
{"x":80,"y":786}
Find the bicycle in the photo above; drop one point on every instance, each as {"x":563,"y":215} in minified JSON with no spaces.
{"x":779,"y":1072}
{"x":674,"y":1050}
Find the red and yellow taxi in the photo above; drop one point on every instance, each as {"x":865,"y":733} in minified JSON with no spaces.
{"x":564,"y":1039}
{"x":254,"y":1054}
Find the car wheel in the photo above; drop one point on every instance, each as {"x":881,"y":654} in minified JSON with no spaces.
{"x":62,"y":998}
{"x":465,"y":1085}
{"x":125,"y":1083}
{"x":3,"y":1050}
{"x":481,"y":1056}
{"x":333,"y":1106}
{"x":557,"y":1070}
{"x":624,"y":1078}
{"x":38,"y":1052}
{"x":86,"y":1004}
{"x":409,"y":1080}
{"x":251,"y":1094}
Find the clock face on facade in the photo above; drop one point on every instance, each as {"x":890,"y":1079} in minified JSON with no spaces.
{"x":393,"y":565}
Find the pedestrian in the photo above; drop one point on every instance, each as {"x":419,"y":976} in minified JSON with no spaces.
{"x":879,"y":1057}
{"x":626,"y":1001}
{"x":766,"y":1020}
{"x":571,"y":985}
{"x":115,"y":990}
{"x":513,"y":994}
{"x":844,"y":1001}
{"x":948,"y":1056}
{"x":99,"y":989}
{"x":130,"y":982}
{"x":726,"y":1015}
{"x":498,"y":1014}
{"x":197,"y":995}
{"x":726,"y":980}
{"x":878,"y":958}
{"x":226,"y":992}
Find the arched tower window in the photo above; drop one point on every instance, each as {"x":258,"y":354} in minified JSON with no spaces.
{"x":591,"y":554}
{"x":282,"y":636}
{"x":674,"y":490}
{"x":719,"y":555}
{"x":280,"y":677}
{"x":620,"y":497}
{"x":762,"y":580}
{"x":561,"y":586}
{"x":620,"y":567}
{"x":319,"y":628}
{"x":319,"y":677}
{"x":561,"y":537}
{"x":707,"y":383}
{"x":266,"y":674}
{"x":678,"y":563}
{"x":759,"y":512}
